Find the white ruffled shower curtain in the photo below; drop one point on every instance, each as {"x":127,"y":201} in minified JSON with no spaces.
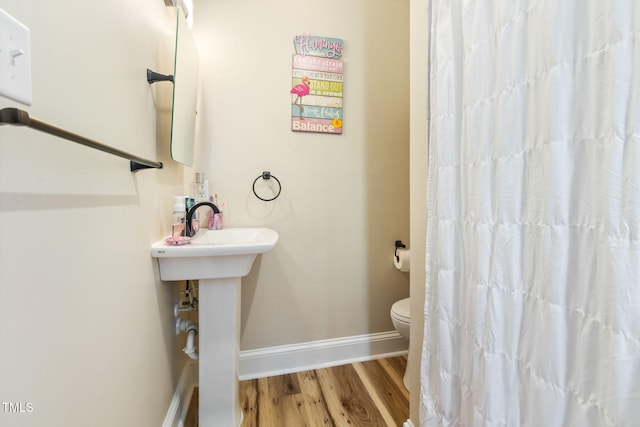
{"x":532,"y":311}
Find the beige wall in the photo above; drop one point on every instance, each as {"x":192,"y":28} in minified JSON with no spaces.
{"x":345,"y":199}
{"x":86,"y":332}
{"x":419,"y":113}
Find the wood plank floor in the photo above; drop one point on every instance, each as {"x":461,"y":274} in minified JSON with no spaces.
{"x":363,"y":394}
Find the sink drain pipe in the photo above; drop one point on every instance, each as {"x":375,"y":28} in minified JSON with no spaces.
{"x":192,"y":330}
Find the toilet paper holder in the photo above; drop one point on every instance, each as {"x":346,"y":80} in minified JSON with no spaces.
{"x":399,"y":245}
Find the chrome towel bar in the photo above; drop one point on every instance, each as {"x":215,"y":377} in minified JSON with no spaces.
{"x":14,"y":116}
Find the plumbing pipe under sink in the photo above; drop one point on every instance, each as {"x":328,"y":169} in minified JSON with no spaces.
{"x":192,"y":330}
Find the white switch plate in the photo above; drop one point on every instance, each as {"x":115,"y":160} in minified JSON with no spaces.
{"x":15,"y":60}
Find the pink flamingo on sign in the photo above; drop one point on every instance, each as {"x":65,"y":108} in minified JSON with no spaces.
{"x":301,"y":90}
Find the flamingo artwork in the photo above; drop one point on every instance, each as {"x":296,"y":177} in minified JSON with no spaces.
{"x":300,"y":90}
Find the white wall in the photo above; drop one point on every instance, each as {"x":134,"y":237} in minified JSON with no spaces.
{"x":86,"y":332}
{"x":345,"y":199}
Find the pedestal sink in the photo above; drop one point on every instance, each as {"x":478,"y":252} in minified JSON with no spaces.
{"x":218,"y":259}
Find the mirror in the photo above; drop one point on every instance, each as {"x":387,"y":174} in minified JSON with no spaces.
{"x":185,"y":93}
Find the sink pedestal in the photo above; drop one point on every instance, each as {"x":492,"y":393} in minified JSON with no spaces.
{"x":219,"y":349}
{"x":218,"y":259}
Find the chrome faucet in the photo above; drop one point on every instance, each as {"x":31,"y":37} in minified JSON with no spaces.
{"x":188,"y":229}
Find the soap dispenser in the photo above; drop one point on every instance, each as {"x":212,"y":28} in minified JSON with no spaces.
{"x":177,"y":227}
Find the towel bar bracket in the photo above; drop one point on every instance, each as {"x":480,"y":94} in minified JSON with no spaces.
{"x":135,"y":166}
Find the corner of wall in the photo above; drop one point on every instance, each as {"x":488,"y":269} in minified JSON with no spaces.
{"x":419,"y":12}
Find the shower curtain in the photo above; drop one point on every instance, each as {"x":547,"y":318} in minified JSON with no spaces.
{"x":532,"y":311}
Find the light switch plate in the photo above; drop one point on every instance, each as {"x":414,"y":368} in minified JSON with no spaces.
{"x":15,"y":60}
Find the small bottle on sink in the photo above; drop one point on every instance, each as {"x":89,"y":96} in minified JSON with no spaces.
{"x":177,"y":224}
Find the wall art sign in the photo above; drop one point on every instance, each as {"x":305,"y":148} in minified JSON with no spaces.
{"x":317,"y":85}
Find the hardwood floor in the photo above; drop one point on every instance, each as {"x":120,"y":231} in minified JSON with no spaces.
{"x":363,"y":394}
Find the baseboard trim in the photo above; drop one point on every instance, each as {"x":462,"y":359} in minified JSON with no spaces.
{"x":179,"y":405}
{"x":286,"y":359}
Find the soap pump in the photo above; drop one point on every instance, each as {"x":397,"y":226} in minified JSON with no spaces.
{"x":177,"y":227}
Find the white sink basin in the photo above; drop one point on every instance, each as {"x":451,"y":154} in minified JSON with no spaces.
{"x":214,"y":254}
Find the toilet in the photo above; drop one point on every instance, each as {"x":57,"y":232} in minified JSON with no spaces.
{"x":400,"y":316}
{"x":401,"y":321}
{"x":400,"y":310}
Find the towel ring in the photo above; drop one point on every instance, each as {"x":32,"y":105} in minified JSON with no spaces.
{"x":267,"y":175}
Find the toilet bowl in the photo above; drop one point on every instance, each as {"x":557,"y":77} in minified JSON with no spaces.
{"x":402,"y":321}
{"x":400,"y":317}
